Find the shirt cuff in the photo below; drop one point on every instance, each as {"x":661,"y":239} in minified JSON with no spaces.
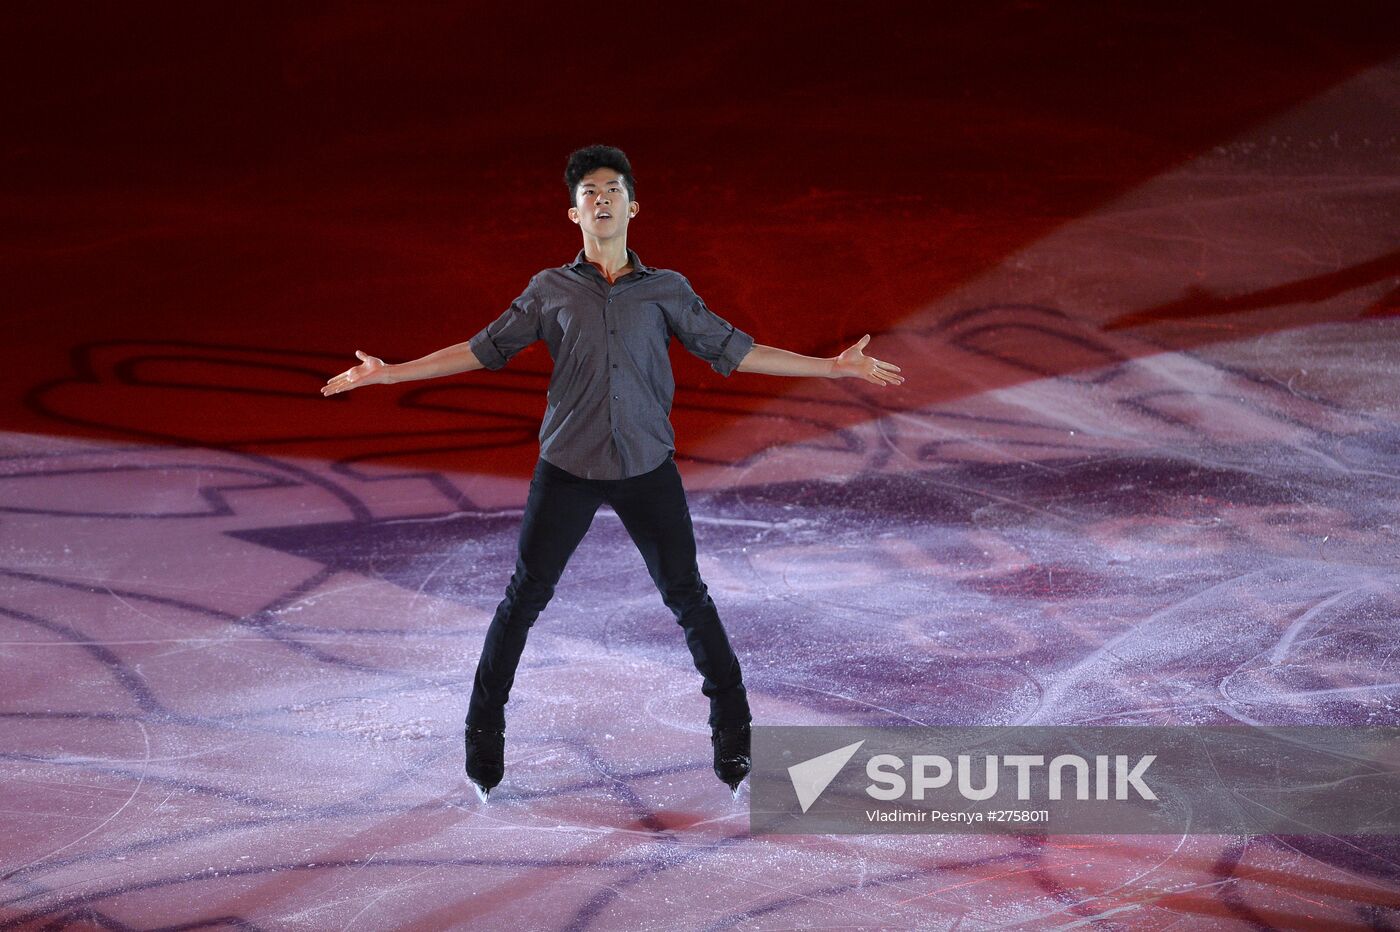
{"x":485,"y":351}
{"x":736,"y":347}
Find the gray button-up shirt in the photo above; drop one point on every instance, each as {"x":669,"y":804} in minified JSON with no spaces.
{"x":609,"y":407}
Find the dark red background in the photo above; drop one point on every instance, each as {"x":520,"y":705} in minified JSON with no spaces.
{"x":320,"y":178}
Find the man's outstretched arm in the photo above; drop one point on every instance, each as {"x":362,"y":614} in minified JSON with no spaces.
{"x":769,"y":360}
{"x":492,"y":348}
{"x":374,"y":371}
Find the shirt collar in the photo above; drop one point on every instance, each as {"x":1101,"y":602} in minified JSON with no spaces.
{"x":638,"y":266}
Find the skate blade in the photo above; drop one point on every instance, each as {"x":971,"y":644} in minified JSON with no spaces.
{"x":735,"y":789}
{"x":481,"y":793}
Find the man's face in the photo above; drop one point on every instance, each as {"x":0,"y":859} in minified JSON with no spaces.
{"x":601,"y":206}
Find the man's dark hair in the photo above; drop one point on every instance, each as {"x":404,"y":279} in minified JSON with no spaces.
{"x":591,"y":158}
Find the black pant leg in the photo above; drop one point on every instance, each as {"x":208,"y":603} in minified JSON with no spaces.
{"x":558,"y":512}
{"x":654,"y":511}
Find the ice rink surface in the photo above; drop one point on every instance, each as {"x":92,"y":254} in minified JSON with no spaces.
{"x":1144,"y":471}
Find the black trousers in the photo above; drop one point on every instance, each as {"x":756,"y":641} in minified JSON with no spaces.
{"x":558,"y":512}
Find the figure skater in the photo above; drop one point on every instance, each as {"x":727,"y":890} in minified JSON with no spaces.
{"x":606,"y":438}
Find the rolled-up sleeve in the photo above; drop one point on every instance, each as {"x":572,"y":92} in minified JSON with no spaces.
{"x":706,"y":334}
{"x":510,"y":333}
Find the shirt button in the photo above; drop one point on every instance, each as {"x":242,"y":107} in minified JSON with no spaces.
{"x":612,"y":331}
{"x":614,"y":398}
{"x":614,"y":365}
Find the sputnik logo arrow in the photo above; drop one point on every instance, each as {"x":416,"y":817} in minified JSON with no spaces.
{"x":810,"y":777}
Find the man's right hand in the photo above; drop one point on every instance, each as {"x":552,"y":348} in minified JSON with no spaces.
{"x":370,"y":371}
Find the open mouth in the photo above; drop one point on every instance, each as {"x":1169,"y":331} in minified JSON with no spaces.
{"x":603,"y":217}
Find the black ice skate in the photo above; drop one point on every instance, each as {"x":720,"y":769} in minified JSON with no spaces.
{"x":486,"y":758}
{"x":732,"y":756}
